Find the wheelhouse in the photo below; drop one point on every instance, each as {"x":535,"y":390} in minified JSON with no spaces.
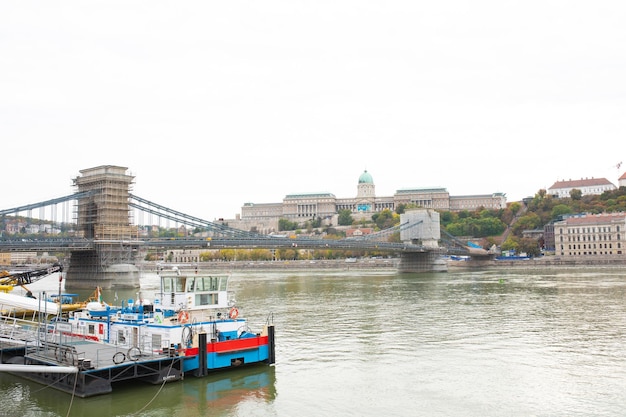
{"x":193,"y":291}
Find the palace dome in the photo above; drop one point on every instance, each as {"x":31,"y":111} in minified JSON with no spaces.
{"x":366,"y":178}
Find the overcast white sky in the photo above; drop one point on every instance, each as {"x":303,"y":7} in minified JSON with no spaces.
{"x":212,"y":104}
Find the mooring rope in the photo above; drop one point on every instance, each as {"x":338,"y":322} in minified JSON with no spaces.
{"x":158,"y":392}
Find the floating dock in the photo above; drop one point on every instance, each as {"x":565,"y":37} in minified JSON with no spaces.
{"x":84,"y":367}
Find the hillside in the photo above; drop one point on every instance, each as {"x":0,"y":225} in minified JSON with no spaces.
{"x":531,"y":214}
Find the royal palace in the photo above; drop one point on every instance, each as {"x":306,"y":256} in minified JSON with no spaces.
{"x":307,"y":206}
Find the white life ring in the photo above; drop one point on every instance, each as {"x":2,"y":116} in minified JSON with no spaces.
{"x":183,"y":316}
{"x":233,"y":313}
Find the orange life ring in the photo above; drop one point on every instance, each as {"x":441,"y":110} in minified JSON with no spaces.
{"x":233,"y":313}
{"x":183,"y":316}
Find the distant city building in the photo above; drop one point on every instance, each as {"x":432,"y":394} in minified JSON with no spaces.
{"x":263,"y":218}
{"x":18,"y":258}
{"x":587,"y":186}
{"x":359,"y":232}
{"x":590,"y":235}
{"x":548,"y":237}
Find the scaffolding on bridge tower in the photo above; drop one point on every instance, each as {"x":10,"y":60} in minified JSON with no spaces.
{"x":103,"y":214}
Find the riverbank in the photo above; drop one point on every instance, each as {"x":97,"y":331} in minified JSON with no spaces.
{"x":391,"y":264}
{"x":334,"y":264}
{"x":545,"y":262}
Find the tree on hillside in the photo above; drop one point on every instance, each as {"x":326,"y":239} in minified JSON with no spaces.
{"x":386,"y":219}
{"x":447,"y":217}
{"x":529,"y":221}
{"x":511,"y":243}
{"x":576,"y":194}
{"x":345,"y":218}
{"x":559,"y":210}
{"x":482,"y":227}
{"x":514,"y":207}
{"x":529,"y":246}
{"x":403,"y":207}
{"x":284,"y":224}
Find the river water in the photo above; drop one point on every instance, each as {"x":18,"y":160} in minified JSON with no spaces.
{"x":354,"y":343}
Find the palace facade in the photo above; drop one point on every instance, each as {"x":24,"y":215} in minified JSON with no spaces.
{"x":263,"y":218}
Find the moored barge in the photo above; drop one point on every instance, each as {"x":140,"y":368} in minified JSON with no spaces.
{"x":191,"y":329}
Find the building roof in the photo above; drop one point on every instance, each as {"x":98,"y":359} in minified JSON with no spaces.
{"x":587,"y":182}
{"x":421,"y":190}
{"x":492,"y":195}
{"x":594,"y":218}
{"x":366,"y":178}
{"x":309,"y":195}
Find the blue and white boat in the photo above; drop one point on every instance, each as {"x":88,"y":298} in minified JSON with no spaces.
{"x":191,"y":317}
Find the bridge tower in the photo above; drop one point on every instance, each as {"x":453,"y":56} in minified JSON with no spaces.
{"x":423,"y":229}
{"x":104,"y":215}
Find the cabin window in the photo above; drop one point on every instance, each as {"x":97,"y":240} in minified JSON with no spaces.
{"x":91,"y":329}
{"x":156,"y":341}
{"x":206,"y":299}
{"x":173,"y":284}
{"x":190,"y":282}
{"x":121,"y":339}
{"x":208,"y":284}
{"x":202,"y":284}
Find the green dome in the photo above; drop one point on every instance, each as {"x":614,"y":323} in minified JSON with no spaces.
{"x":366,"y":178}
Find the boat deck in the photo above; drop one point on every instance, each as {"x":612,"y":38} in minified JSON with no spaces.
{"x":89,"y":355}
{"x":98,"y":364}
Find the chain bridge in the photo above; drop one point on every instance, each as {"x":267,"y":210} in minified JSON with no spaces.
{"x":106,"y":241}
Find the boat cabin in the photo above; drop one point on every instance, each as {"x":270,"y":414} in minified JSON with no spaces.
{"x":193,"y":291}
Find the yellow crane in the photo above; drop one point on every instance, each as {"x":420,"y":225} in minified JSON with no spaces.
{"x":10,"y":280}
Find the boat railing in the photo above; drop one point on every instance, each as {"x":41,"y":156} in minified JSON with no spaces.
{"x":111,"y":355}
{"x":15,"y":328}
{"x":51,"y":351}
{"x":96,"y":355}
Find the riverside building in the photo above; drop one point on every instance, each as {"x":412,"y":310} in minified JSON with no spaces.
{"x":263,"y":218}
{"x":590,"y":235}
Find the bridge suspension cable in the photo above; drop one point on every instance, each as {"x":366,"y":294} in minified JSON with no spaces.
{"x":388,"y":232}
{"x":177,"y":216}
{"x":46,"y":203}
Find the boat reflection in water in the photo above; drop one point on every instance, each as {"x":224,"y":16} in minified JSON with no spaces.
{"x":220,"y":393}
{"x":224,"y":394}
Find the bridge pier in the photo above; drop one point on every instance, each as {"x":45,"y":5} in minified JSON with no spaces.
{"x":91,"y":269}
{"x":429,"y":261}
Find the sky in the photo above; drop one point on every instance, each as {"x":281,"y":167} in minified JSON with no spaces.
{"x":214,"y":104}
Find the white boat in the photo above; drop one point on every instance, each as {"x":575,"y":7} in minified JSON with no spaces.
{"x":12,"y":303}
{"x":191,"y":316}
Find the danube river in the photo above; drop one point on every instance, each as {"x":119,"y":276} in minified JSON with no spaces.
{"x":354,"y":343}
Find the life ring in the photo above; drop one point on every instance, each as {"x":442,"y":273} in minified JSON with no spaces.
{"x":119,"y":357}
{"x":183,"y":316}
{"x":233,"y":313}
{"x":133,"y":353}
